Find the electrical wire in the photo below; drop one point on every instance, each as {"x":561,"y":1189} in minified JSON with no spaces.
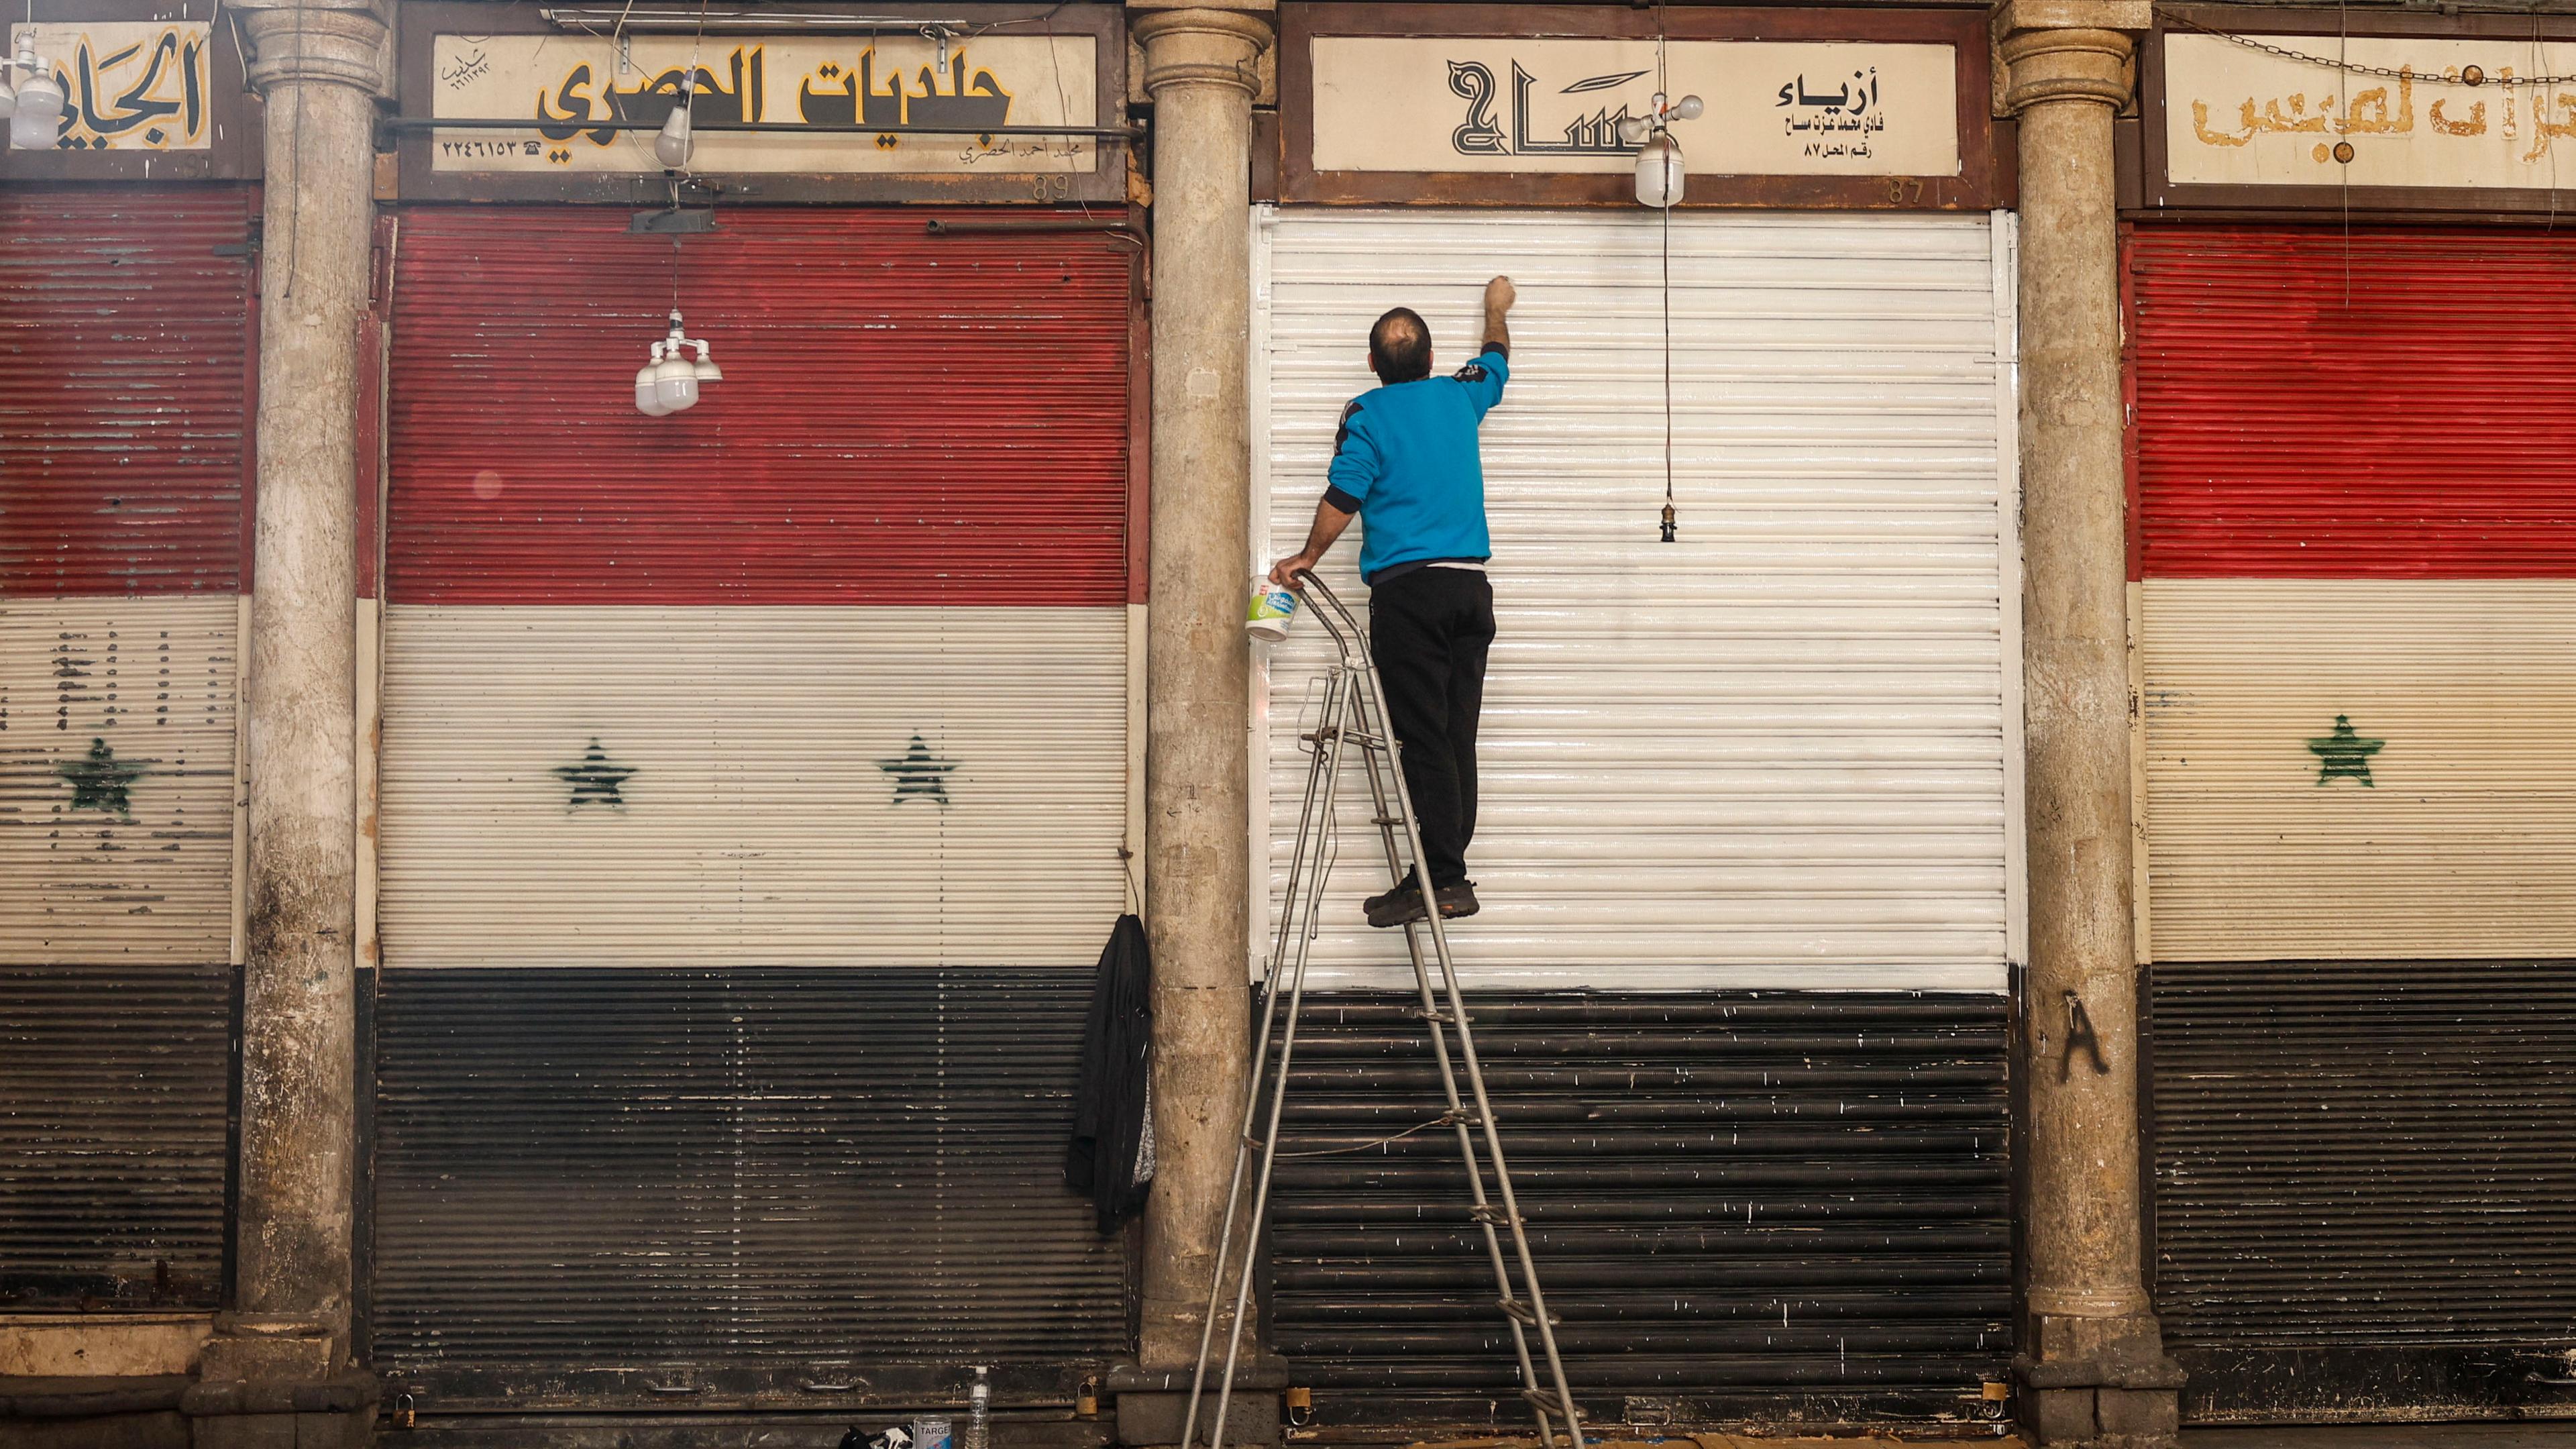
{"x":1365,"y":1146}
{"x":1663,"y":91}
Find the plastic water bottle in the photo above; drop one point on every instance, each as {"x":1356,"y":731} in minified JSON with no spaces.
{"x":979,"y":1409}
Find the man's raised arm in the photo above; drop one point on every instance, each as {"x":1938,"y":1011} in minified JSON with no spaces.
{"x":1499,"y":297}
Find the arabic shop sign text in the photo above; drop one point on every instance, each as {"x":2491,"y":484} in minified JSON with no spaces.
{"x":130,"y":85}
{"x":1827,"y":108}
{"x":562,"y":82}
{"x":2235,"y":116}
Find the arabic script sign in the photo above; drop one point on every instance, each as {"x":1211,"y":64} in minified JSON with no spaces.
{"x":2235,"y":116}
{"x":129,"y":85}
{"x":561,"y":82}
{"x":1825,"y":108}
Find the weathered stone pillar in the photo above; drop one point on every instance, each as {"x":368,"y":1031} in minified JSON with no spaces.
{"x":1200,"y":71}
{"x":284,"y":1347}
{"x":2093,"y":1367}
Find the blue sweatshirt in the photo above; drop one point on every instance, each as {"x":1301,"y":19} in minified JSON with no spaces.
{"x":1405,"y":460}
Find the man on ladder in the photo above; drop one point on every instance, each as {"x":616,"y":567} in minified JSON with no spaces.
{"x":1406,"y":460}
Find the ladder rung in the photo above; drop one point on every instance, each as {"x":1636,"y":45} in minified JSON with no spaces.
{"x":1547,"y":1403}
{"x":1519,"y":1312}
{"x":1491,"y":1214}
{"x":1433,"y":1013}
{"x":1460,"y":1117}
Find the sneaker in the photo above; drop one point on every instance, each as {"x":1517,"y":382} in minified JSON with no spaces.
{"x":1401,"y":904}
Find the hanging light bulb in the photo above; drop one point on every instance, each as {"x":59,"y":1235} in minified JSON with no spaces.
{"x":673,"y":145}
{"x":675,"y":378}
{"x":1659,"y":170}
{"x":648,"y":398}
{"x":8,"y":91}
{"x":35,"y":123}
{"x":707,"y":369}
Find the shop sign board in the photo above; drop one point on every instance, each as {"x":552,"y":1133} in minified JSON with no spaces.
{"x":561,"y":83}
{"x":146,"y":96}
{"x":903,"y":104}
{"x":1824,"y":108}
{"x":2238,"y":116}
{"x":1444,"y":105}
{"x":130,"y":85}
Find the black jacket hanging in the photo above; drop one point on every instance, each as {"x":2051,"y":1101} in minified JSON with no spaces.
{"x":1111,"y":1156}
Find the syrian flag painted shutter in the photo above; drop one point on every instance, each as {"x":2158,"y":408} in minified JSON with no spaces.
{"x":2357,"y":484}
{"x":125,"y":385}
{"x":829,"y":670}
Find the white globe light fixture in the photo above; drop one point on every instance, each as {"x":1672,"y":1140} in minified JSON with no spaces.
{"x":36,"y":108}
{"x":1659,"y":156}
{"x":668,"y":381}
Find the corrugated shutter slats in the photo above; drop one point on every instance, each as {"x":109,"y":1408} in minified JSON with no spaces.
{"x":123,"y":389}
{"x":1775,"y":753}
{"x":904,"y":419}
{"x":1729,"y":1194}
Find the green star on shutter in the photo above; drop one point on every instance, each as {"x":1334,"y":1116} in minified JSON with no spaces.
{"x":100,"y":781}
{"x":918,"y":772}
{"x":2344,"y":754}
{"x":595,"y":781}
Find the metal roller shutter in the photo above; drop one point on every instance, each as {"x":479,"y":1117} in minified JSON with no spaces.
{"x":2358,"y":598}
{"x":752,"y":800}
{"x":1791,"y":1205}
{"x":2365,"y":1204}
{"x":1780,"y":752}
{"x":1755,"y":790}
{"x":125,"y":327}
{"x":748,"y":1173}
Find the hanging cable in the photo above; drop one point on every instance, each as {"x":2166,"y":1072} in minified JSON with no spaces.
{"x":1662,"y":89}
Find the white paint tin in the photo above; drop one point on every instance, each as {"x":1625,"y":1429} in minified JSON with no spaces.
{"x":1274,"y":608}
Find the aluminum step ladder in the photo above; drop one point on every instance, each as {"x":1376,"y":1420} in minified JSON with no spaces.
{"x":1353,"y":720}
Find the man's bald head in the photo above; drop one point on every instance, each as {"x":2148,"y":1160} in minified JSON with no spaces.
{"x":1400,"y":347}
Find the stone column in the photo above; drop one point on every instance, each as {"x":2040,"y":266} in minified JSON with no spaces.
{"x":284,"y":1346}
{"x":2093,"y":1367}
{"x":1200,"y":71}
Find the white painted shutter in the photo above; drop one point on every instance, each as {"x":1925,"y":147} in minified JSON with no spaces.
{"x":116,"y":779}
{"x":758,"y":797}
{"x":1783,"y":751}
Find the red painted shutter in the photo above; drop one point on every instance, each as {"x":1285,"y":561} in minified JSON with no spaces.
{"x":904,"y":419}
{"x":124,"y":386}
{"x":2393,"y":403}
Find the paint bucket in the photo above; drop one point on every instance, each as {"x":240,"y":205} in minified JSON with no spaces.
{"x":1274,"y":608}
{"x":930,"y":1433}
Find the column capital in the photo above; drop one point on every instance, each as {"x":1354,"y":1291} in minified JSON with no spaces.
{"x":333,"y":44}
{"x":2066,"y":50}
{"x":1202,"y":46}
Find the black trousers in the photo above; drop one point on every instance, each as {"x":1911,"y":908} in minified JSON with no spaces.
{"x":1429,"y":631}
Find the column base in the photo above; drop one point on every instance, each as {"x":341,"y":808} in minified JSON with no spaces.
{"x":276,"y":1383}
{"x":1153,"y":1405}
{"x":2104,"y":1382}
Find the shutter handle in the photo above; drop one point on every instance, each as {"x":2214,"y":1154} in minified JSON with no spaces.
{"x":813,"y":1388}
{"x":674,"y":1389}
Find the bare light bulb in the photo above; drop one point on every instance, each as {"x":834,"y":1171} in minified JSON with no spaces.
{"x":1688,"y":108}
{"x":1659,"y":171}
{"x":36,"y":121}
{"x":673,"y":145}
{"x":707,"y":369}
{"x":648,"y":400}
{"x":1632,"y":129}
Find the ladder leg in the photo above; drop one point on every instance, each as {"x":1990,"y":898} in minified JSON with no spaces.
{"x":1479,"y":1213}
{"x":1306,"y":873}
{"x":1369,"y":707}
